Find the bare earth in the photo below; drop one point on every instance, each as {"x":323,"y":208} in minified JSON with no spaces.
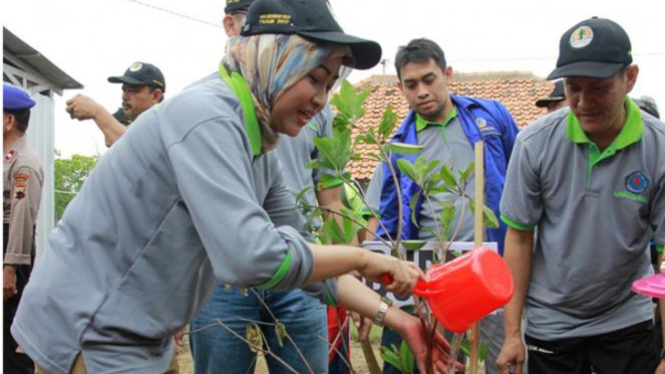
{"x":357,"y":360}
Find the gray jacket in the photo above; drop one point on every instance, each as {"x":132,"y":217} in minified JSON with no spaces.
{"x":177,"y":205}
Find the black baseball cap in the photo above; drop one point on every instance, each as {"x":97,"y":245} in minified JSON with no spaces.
{"x":557,"y":94}
{"x":142,"y":73}
{"x":595,"y":48}
{"x":237,"y":6}
{"x":312,"y":19}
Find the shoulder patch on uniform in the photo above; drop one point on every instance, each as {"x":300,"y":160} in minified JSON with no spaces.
{"x":20,"y":185}
{"x":637,"y":182}
{"x":9,"y":155}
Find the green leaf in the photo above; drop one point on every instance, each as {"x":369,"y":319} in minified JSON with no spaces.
{"x":407,"y":168}
{"x":404,"y":149}
{"x":302,"y":193}
{"x":313,"y":164}
{"x":413,"y":245}
{"x":280,"y":331}
{"x":482,"y":350}
{"x":489,"y":218}
{"x":406,"y":358}
{"x":388,"y":122}
{"x":349,"y":103}
{"x":447,"y":215}
{"x":412,"y":205}
{"x":448,"y":176}
{"x":466,"y":173}
{"x":391,"y":356}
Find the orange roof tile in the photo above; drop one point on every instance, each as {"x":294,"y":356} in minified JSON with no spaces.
{"x":518,"y":91}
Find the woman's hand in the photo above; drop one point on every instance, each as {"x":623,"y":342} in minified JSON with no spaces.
{"x":404,"y":274}
{"x":415,"y":334}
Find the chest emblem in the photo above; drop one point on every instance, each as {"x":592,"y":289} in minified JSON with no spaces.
{"x":637,"y":182}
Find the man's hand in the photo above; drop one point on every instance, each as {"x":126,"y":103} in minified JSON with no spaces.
{"x":363,"y":325}
{"x":82,"y":107}
{"x":9,"y":282}
{"x":512,"y":355}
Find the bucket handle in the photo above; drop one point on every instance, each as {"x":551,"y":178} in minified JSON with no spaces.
{"x":420,"y":290}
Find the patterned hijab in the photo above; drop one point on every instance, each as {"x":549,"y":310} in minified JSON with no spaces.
{"x":270,"y":64}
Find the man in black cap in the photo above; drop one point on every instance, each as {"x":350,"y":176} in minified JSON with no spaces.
{"x":143,"y":86}
{"x":590,"y":180}
{"x":556,"y":99}
{"x":23,"y":179}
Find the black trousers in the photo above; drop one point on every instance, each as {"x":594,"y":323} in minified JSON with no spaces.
{"x":626,"y":351}
{"x":14,"y":363}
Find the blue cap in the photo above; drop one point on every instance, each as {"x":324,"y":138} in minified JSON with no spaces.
{"x":14,"y":98}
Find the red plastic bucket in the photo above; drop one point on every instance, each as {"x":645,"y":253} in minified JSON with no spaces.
{"x":466,"y":289}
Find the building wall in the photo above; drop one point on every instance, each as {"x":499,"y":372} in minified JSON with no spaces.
{"x":41,"y":139}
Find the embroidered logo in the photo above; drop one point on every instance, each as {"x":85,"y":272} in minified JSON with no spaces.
{"x":136,"y":67}
{"x":637,"y":182}
{"x":20,"y":185}
{"x":581,"y":37}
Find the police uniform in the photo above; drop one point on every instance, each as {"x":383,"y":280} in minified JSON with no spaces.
{"x":22,"y":188}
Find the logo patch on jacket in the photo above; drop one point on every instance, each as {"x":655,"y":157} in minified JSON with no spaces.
{"x":637,"y":182}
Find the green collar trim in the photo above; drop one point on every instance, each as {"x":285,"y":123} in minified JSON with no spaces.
{"x":631,"y":132}
{"x":240,"y":88}
{"x":422,"y":123}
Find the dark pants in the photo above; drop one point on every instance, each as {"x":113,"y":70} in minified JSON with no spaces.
{"x":14,"y":362}
{"x":628,"y":351}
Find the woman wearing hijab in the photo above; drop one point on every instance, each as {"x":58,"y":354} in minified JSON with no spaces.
{"x":195,"y":198}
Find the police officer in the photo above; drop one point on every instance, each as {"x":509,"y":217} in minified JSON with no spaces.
{"x":22,"y":190}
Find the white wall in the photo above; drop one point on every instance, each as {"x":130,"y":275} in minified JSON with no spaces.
{"x":41,"y":139}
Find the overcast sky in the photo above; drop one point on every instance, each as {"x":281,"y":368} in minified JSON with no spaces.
{"x":94,"y":39}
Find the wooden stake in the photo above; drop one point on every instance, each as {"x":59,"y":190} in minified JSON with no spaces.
{"x":479,"y":174}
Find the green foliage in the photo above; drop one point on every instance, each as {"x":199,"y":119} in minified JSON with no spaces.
{"x":349,"y":106}
{"x":489,"y":218}
{"x":69,"y":177}
{"x":335,"y":152}
{"x":482,"y":350}
{"x":401,"y":358}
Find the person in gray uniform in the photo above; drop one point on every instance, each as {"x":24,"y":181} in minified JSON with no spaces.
{"x":591,"y":181}
{"x":303,"y":317}
{"x":192,"y":196}
{"x":447,"y":126}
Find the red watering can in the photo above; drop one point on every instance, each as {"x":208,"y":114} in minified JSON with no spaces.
{"x":466,"y":289}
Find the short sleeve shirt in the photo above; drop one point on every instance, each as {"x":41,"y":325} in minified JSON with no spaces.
{"x":595,"y":213}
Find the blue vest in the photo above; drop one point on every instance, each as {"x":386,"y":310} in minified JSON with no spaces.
{"x":481,"y":119}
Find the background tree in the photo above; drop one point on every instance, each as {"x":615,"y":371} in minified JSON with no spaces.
{"x":70,"y":173}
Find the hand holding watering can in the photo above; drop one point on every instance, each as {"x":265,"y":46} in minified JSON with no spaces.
{"x":466,"y":289}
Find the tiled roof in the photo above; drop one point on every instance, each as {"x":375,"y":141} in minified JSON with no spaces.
{"x":518,"y":91}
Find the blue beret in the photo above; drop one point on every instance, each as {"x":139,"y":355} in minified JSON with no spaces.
{"x":14,"y":98}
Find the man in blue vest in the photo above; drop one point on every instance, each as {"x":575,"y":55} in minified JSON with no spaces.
{"x":447,"y":126}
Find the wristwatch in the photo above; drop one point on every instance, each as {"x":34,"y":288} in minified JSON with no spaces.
{"x":662,"y":354}
{"x":383,"y":309}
